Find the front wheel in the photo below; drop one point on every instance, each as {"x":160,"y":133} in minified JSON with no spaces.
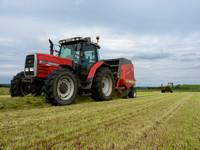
{"x":61,"y":87}
{"x":103,"y":84}
{"x":17,"y":87}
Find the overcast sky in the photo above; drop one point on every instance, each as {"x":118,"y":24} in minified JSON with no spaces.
{"x":161,"y":37}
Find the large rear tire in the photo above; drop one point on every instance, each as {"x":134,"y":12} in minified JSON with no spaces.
{"x":61,"y":87}
{"x":103,"y":84}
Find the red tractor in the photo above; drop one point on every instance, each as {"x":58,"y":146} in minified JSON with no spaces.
{"x":77,"y":67}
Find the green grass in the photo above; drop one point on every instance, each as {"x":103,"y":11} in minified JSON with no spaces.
{"x":151,"y":121}
{"x":4,"y":91}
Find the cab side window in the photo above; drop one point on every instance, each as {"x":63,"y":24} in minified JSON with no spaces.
{"x":89,"y":52}
{"x":89,"y":56}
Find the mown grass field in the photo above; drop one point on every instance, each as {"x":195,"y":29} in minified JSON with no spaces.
{"x":151,"y":121}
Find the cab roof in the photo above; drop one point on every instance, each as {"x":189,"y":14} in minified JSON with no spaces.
{"x":76,"y":39}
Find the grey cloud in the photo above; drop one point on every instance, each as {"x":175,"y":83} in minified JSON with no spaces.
{"x":192,"y":67}
{"x":184,"y":59}
{"x":138,"y":16}
{"x":195,"y":67}
{"x":151,"y":56}
{"x":189,"y":56}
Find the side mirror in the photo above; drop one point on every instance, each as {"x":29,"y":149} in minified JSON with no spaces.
{"x":87,"y":41}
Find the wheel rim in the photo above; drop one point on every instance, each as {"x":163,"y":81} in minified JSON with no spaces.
{"x":24,"y":89}
{"x":65,"y":88}
{"x":107,"y":85}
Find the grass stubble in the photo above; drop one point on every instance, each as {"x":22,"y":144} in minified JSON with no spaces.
{"x":151,"y":121}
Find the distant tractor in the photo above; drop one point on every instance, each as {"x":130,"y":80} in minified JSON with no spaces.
{"x":76,"y":68}
{"x":167,"y":88}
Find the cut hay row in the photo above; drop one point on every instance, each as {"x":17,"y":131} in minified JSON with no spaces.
{"x":144,"y":122}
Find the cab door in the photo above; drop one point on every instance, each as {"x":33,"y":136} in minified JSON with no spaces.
{"x":88,"y":59}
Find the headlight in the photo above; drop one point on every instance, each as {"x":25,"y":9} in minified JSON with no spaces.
{"x":26,"y":69}
{"x":31,"y":69}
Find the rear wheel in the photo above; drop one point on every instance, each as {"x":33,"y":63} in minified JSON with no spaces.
{"x":103,"y":84}
{"x":61,"y":87}
{"x":132,"y":93}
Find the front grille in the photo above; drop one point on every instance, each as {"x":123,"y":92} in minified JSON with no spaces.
{"x":29,"y":73}
{"x":43,"y":70}
{"x":29,"y":61}
{"x":31,"y":65}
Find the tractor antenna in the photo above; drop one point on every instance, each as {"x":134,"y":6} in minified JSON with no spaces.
{"x":97,"y":39}
{"x":51,"y":47}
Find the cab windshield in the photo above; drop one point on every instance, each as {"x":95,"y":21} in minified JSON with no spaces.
{"x":70,"y":51}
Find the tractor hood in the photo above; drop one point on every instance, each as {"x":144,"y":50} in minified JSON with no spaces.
{"x":53,"y":60}
{"x":41,"y":65}
{"x":48,"y":63}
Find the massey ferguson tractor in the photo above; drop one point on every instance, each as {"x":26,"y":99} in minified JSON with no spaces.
{"x":76,"y":68}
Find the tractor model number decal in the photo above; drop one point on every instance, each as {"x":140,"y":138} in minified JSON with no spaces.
{"x":49,"y":63}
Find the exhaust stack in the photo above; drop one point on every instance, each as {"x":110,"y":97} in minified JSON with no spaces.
{"x":51,"y":47}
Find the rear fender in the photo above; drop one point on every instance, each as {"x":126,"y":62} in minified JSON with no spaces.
{"x":88,"y":83}
{"x":95,"y":67}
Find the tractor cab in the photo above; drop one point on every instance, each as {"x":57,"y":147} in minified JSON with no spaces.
{"x":82,"y":52}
